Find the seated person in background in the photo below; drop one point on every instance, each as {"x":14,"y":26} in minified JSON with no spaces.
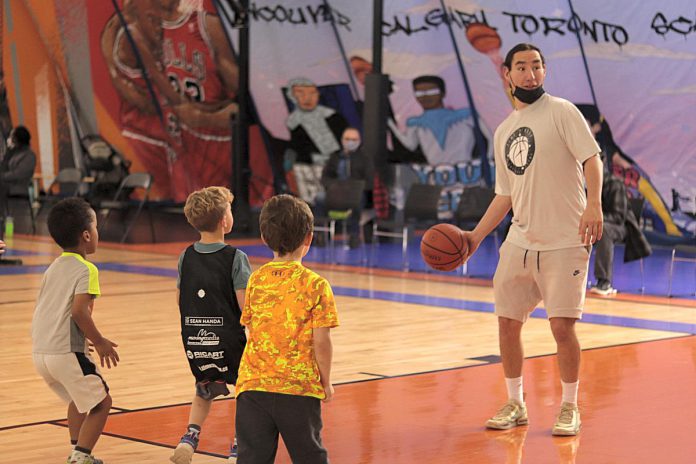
{"x":602,"y":134}
{"x":348,"y":163}
{"x":315,"y":132}
{"x":16,"y":168}
{"x":620,"y":225}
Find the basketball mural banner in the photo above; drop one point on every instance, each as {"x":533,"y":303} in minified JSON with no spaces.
{"x":83,"y":68}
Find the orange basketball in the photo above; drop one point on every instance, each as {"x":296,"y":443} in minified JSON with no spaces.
{"x":483,"y":37}
{"x":443,"y":247}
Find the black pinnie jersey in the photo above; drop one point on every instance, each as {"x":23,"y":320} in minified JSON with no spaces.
{"x":213,"y":338}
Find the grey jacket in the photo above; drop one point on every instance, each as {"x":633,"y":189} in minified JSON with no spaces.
{"x":17,"y":170}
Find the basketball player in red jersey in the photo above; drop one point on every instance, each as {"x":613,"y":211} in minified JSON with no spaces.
{"x":200,"y":66}
{"x":140,"y":123}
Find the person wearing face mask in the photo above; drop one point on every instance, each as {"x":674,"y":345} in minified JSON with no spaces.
{"x":348,"y":163}
{"x":16,"y":169}
{"x":545,"y":154}
{"x":315,"y":133}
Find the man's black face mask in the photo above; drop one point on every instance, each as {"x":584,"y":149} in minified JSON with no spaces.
{"x":528,"y":96}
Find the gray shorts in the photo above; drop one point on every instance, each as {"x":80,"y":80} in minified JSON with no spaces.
{"x":524,"y":278}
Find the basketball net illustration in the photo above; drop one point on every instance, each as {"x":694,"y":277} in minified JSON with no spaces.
{"x":486,"y":40}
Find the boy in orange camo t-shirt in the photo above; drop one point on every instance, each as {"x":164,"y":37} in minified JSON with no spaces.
{"x":285,"y":370}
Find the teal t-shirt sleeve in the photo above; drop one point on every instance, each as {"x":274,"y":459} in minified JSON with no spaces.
{"x":178,"y":275}
{"x":241,"y":270}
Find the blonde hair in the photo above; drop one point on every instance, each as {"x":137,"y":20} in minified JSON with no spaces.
{"x":206,"y":207}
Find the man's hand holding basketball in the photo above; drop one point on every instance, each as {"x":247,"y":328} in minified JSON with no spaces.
{"x":472,"y":242}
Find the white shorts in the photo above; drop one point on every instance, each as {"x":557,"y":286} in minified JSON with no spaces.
{"x":74,"y":377}
{"x":525,"y":277}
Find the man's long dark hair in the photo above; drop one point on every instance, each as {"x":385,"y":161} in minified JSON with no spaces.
{"x":521,"y":47}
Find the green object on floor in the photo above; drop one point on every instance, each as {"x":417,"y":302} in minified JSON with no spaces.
{"x":340,"y":215}
{"x":9,"y":227}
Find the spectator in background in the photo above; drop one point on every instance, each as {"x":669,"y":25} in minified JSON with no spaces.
{"x":5,"y":120}
{"x":16,"y":169}
{"x":620,"y":225}
{"x":315,"y":133}
{"x":602,"y":133}
{"x":348,"y":163}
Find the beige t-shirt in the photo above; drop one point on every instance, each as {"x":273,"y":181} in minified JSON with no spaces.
{"x":539,"y":151}
{"x":53,"y":330}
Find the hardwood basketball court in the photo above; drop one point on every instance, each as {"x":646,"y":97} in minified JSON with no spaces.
{"x":416,"y":366}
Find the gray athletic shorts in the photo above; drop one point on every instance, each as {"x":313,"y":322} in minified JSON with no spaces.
{"x":524,"y":278}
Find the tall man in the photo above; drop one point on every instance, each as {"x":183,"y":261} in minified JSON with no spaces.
{"x":542,"y":150}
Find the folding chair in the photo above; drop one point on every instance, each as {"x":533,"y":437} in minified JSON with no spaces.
{"x":121,"y":202}
{"x":420,"y":209}
{"x":473,"y":204}
{"x":636,"y":206}
{"x":66,"y":184}
{"x":684,"y":254}
{"x":342,"y":198}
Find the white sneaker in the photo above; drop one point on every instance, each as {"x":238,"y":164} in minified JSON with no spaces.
{"x":183,"y":454}
{"x":603,"y":288}
{"x":81,"y":458}
{"x":512,"y":414}
{"x":568,"y":421}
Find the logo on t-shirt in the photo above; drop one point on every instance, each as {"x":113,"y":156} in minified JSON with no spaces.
{"x":519,"y":150}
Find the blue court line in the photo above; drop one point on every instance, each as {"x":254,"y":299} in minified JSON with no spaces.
{"x":442,"y":302}
{"x":116,"y":267}
{"x":485,"y":307}
{"x":17,"y":270}
{"x":15,"y":252}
